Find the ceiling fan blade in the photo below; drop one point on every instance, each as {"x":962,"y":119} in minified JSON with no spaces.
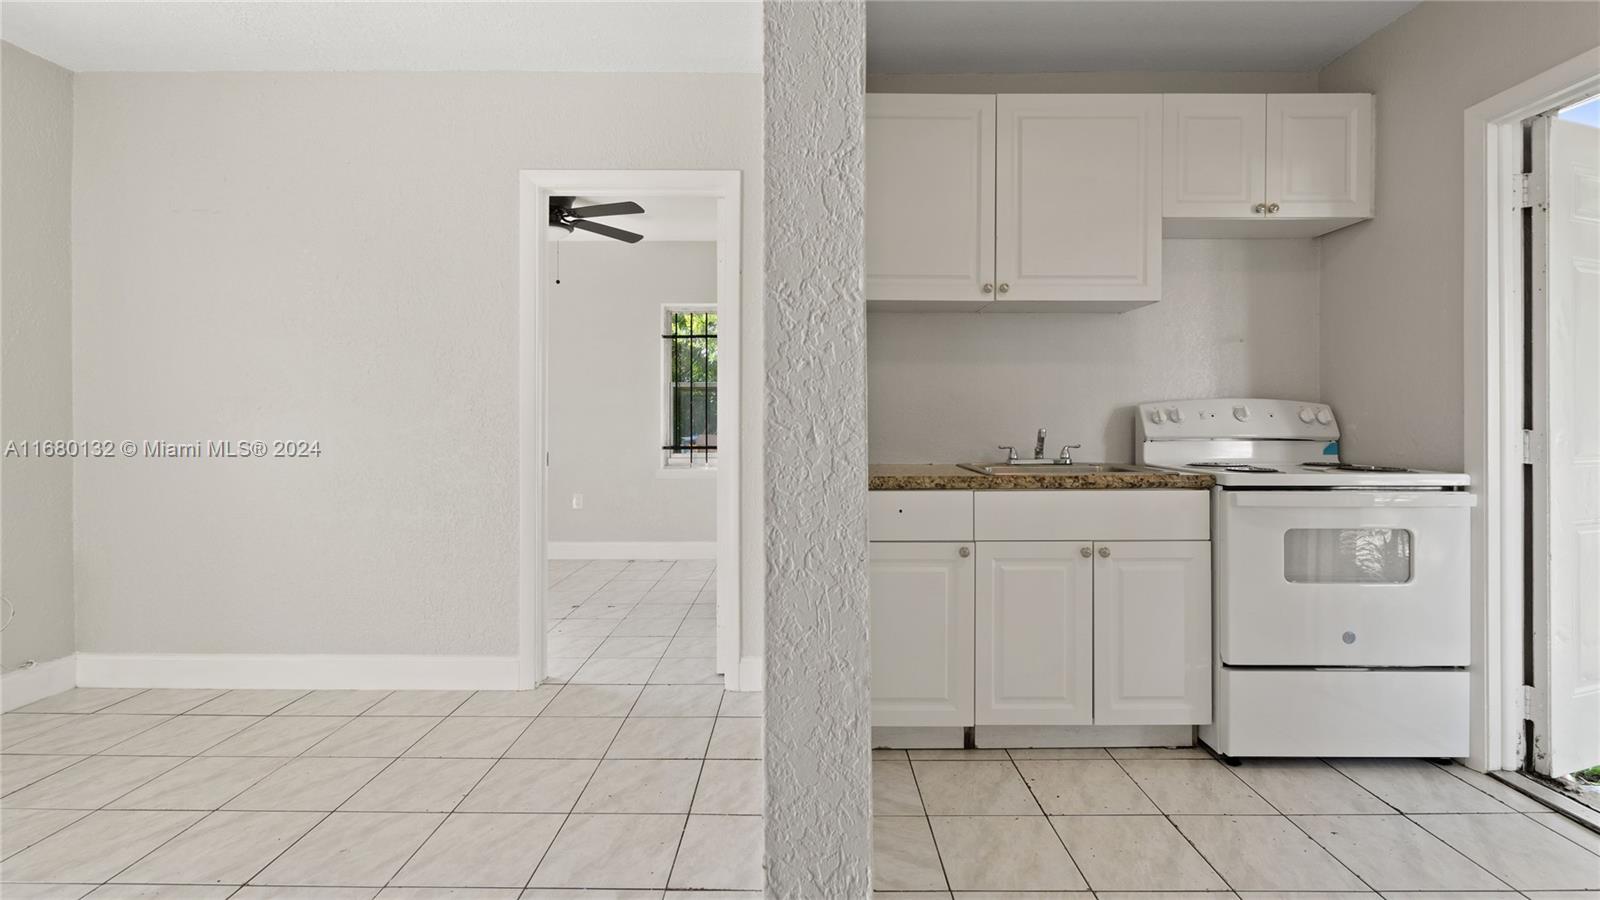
{"x":608,"y":231}
{"x":627,"y":208}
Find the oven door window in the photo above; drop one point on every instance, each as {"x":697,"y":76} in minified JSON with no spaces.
{"x":1347,"y":555}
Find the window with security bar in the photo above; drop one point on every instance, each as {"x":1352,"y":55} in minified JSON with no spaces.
{"x":689,"y":340}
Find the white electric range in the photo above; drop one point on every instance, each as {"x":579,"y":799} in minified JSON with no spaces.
{"x":1341,"y":591}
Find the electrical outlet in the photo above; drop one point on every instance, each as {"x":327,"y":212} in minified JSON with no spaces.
{"x":577,"y":501}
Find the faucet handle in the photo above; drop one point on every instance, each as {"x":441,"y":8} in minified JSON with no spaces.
{"x":1066,"y":452}
{"x":1011,"y":452}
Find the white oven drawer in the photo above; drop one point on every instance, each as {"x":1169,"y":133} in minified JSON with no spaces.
{"x":1343,"y":578}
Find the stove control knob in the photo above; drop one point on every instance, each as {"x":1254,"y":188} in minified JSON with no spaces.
{"x":1324,"y":416}
{"x":1174,"y":414}
{"x":1242,"y":413}
{"x":1307,"y":415}
{"x":1155,"y":416}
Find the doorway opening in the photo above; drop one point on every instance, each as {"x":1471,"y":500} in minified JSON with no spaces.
{"x":630,"y":425}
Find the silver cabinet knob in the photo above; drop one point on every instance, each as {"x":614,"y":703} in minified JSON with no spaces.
{"x":964,"y":552}
{"x":988,"y":288}
{"x":1085,"y":552}
{"x":1272,"y":207}
{"x":1005,"y":288}
{"x":1105,"y":552}
{"x":1259,"y":208}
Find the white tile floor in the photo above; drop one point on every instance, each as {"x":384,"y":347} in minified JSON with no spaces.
{"x":1053,"y":822}
{"x":639,"y":779}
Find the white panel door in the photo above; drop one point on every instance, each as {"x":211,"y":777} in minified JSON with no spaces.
{"x":1152,"y":633}
{"x":1035,"y":653}
{"x":930,"y":197}
{"x":1079,"y":197}
{"x":1319,"y":155}
{"x":921,"y":633}
{"x":1570,"y":414}
{"x":1214,"y":165}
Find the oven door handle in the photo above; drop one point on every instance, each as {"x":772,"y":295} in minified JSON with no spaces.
{"x":1353,"y":499}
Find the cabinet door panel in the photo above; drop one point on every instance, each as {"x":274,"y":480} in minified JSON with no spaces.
{"x":1214,"y":164}
{"x":930,"y":197}
{"x":921,"y":597}
{"x":1079,"y":197}
{"x":1319,"y":155}
{"x":1035,"y":633}
{"x":1152,"y":624}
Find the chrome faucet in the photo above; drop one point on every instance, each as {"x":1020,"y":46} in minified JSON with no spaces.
{"x":1011,"y":452}
{"x":1038,"y":445}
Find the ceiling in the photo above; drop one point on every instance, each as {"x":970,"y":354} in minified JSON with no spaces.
{"x":1006,"y":36}
{"x":545,"y":36}
{"x":903,"y":36}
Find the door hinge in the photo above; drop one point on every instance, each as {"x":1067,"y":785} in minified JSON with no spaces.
{"x":1529,"y":189}
{"x":1530,"y":447}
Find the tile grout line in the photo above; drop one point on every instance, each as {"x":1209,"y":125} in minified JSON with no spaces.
{"x":927,"y":820}
{"x":1048,"y":824}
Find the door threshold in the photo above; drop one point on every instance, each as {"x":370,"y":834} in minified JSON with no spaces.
{"x":1550,"y":797}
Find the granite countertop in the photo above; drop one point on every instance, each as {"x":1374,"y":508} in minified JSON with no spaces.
{"x":936,"y":477}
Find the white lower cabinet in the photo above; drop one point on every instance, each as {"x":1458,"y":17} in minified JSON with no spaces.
{"x":1152,"y":633}
{"x":1035,"y":640}
{"x":921,"y":597}
{"x":1059,"y":631}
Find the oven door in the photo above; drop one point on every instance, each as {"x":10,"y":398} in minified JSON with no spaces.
{"x":1343,"y":578}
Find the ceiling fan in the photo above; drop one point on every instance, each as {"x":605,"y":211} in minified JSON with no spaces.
{"x":564,"y":215}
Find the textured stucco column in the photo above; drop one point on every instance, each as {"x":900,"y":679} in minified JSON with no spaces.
{"x":818,"y":740}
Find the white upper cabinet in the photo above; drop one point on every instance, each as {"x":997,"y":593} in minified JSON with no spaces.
{"x":1215,"y":161}
{"x":930,"y":199}
{"x":1266,"y":165}
{"x":1319,"y":156}
{"x":1078,"y":198}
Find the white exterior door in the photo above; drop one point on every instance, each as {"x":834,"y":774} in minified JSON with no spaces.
{"x":1319,"y":155}
{"x":1035,"y":633}
{"x":921,"y":606}
{"x":1567,"y":411}
{"x":1215,"y":161}
{"x":1079,"y":198}
{"x":930,"y":197}
{"x":1152,"y":625}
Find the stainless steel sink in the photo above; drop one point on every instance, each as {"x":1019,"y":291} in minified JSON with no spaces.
{"x":1047,"y":468}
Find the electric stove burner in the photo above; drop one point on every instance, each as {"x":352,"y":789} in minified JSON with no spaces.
{"x":1353,"y":467}
{"x":1232,"y":467}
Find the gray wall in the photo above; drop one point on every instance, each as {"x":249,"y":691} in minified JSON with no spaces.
{"x":606,"y":389}
{"x":36,"y":372}
{"x":1391,"y":288}
{"x":334,"y":257}
{"x":1237,"y":317}
{"x":818,"y":724}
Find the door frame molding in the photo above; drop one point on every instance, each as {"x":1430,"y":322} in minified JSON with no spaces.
{"x":535,"y":187}
{"x":1493,"y":395}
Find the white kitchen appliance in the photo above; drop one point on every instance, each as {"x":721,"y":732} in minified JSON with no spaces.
{"x":1342,"y":591}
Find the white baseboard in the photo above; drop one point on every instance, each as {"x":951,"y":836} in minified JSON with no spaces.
{"x":24,"y":686}
{"x":301,"y":671}
{"x":632,"y":550}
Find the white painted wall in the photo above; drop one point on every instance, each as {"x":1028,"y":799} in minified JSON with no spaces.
{"x":36,"y":373}
{"x":334,"y":256}
{"x":1391,"y":361}
{"x":1236,"y":318}
{"x":605,"y":393}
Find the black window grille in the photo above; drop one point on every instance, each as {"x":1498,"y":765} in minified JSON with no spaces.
{"x":691,"y":346}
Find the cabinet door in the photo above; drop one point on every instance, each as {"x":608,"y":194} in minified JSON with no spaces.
{"x":921,"y":601}
{"x":1079,"y":198}
{"x":1152,"y":633}
{"x":1214,"y":165}
{"x":930,"y":197}
{"x":1035,"y":655}
{"x":1319,"y":155}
